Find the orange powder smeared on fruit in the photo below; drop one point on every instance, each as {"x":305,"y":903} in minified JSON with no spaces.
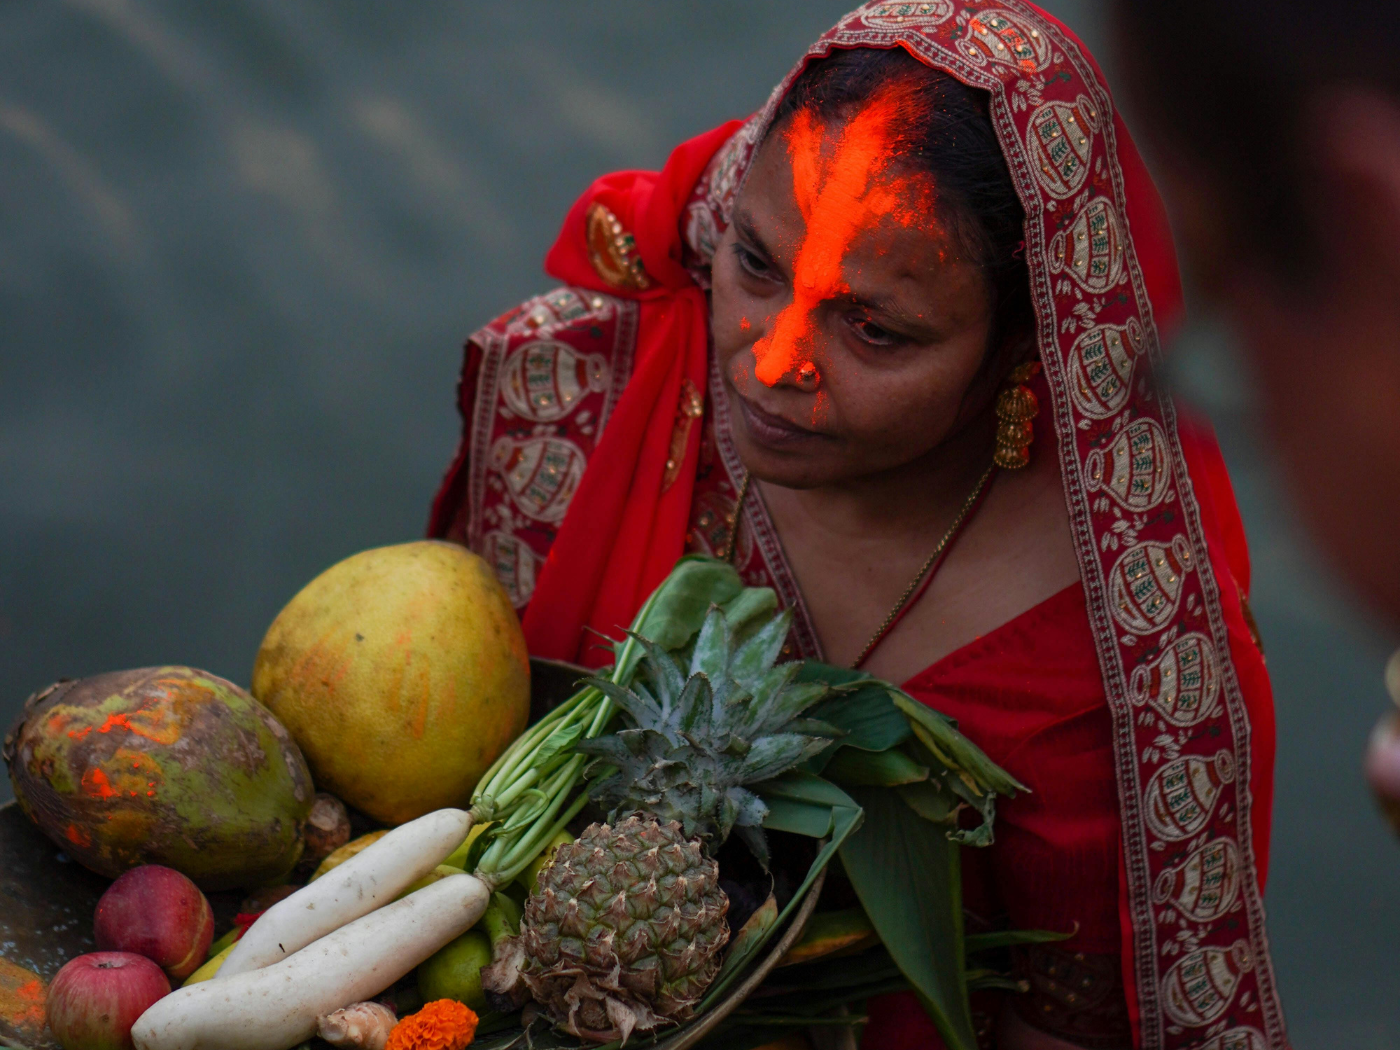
{"x":839,"y":197}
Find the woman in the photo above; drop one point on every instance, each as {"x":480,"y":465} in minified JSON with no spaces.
{"x":886,"y":345}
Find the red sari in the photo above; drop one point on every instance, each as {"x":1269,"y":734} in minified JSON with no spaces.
{"x":1135,"y":704}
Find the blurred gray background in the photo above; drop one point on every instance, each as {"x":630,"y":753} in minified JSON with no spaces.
{"x":241,"y":243}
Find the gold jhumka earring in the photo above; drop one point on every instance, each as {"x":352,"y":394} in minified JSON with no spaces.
{"x":1016,"y":410}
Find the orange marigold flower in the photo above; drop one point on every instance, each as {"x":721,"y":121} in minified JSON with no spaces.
{"x":441,"y":1025}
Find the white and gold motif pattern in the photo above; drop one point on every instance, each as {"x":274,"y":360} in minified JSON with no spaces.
{"x":1237,"y":1039}
{"x":541,"y":474}
{"x":1146,"y":584}
{"x":1197,"y":989}
{"x":1090,"y":249}
{"x":544,"y":380}
{"x":1100,"y":367}
{"x":906,"y":15}
{"x":562,"y":306}
{"x":1181,"y":795}
{"x":1006,"y":38}
{"x":1203,"y":887}
{"x":1136,"y":469}
{"x":1182,"y":684}
{"x":514,"y":563}
{"x":1060,"y":142}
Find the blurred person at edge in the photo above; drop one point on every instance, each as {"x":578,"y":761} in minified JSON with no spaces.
{"x":1290,"y":221}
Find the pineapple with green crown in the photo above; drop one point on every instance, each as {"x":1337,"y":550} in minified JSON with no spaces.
{"x":626,"y":929}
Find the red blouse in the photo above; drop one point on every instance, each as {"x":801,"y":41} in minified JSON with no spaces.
{"x":1031,"y":694}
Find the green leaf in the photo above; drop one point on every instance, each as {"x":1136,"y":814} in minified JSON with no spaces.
{"x":786,"y":705}
{"x":852,"y":768}
{"x":478,"y":847}
{"x":798,"y":818}
{"x":749,"y":812}
{"x":661,"y":672}
{"x":952,"y":748}
{"x":677,"y":608}
{"x":861,"y":706}
{"x":842,"y":930}
{"x":636,"y":703}
{"x":816,"y":671}
{"x":805,"y":805}
{"x":930,"y":801}
{"x":983,"y":942}
{"x":804,"y":787}
{"x":834,"y":974}
{"x":756,"y":929}
{"x":771,"y":755}
{"x":712,"y":645}
{"x":907,"y":875}
{"x":750,"y":610}
{"x":756,"y":656}
{"x":693,"y":705}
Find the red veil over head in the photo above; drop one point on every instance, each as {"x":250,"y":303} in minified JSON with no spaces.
{"x":1160,"y":545}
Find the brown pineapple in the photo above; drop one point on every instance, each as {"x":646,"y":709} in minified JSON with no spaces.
{"x":626,"y":929}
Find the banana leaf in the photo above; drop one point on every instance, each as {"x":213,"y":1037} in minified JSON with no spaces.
{"x":878,"y":717}
{"x":984,"y":942}
{"x":802,"y":804}
{"x":852,"y":768}
{"x":861,"y":707}
{"x":907,"y":873}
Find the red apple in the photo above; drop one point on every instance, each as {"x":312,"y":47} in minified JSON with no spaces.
{"x":156,"y":912}
{"x":95,"y":999}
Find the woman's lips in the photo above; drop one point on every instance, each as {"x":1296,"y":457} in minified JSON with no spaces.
{"x":774,"y":431}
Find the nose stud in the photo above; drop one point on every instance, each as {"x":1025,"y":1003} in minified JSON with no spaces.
{"x":807,"y":376}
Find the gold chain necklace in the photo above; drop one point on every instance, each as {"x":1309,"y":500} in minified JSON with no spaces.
{"x":957,"y":524}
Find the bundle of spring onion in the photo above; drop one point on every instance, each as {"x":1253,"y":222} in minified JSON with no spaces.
{"x":531,"y":793}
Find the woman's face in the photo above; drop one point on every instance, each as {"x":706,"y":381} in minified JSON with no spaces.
{"x":848,"y":326}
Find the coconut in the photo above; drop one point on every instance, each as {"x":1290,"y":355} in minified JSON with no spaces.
{"x":162,"y":765}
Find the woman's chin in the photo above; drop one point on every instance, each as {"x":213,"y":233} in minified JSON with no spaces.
{"x":791,"y":468}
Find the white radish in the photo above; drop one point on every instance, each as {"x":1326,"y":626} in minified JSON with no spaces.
{"x":371,"y":878}
{"x":278,"y":1006}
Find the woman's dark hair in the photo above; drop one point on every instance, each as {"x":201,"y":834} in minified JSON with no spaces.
{"x":955,"y":143}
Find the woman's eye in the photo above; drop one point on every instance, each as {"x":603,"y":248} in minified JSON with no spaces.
{"x":753,"y":265}
{"x":867,"y":331}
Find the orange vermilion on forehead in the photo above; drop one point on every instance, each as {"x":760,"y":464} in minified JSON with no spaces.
{"x":839,"y":197}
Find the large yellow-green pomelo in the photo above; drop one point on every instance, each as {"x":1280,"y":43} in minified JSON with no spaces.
{"x":402,"y":674}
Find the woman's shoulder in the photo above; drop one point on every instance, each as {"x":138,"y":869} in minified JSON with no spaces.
{"x":554,"y":364}
{"x":566,"y":313}
{"x":537,"y":387}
